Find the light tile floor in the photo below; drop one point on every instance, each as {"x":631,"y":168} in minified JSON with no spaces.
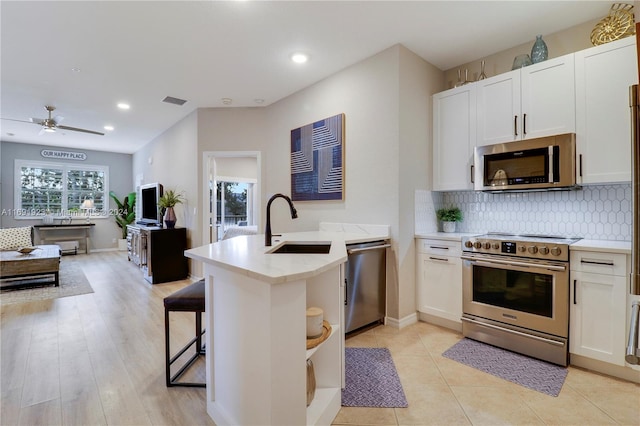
{"x":444,"y":392}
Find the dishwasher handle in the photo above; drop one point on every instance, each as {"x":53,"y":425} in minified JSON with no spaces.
{"x":358,"y":250}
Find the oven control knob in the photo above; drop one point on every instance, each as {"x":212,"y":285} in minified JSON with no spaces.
{"x":556,"y":251}
{"x":477,"y":244}
{"x":495,"y":246}
{"x":522,"y":248}
{"x":468,"y":244}
{"x":533,"y":249}
{"x":486,"y":246}
{"x":543,"y":250}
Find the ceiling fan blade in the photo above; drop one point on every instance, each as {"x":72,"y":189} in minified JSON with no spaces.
{"x":20,"y":121}
{"x":58,"y":119}
{"x":41,"y":132}
{"x":75,"y":129}
{"x":39,"y":121}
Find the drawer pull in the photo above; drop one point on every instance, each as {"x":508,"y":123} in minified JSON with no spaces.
{"x":439,"y":248}
{"x":438,"y":258}
{"x":597,"y":262}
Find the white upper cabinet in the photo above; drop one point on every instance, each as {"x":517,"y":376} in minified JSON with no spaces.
{"x":535,"y":101}
{"x":454,"y":133}
{"x":603,"y":124}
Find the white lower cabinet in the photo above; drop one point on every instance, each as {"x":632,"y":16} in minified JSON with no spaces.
{"x":439,"y":278}
{"x":598,"y":293}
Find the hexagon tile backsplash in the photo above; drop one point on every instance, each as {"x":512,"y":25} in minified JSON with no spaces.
{"x":593,"y":212}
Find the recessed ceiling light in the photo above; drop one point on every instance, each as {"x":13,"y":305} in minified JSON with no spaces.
{"x":123,"y":105}
{"x":227,"y":101}
{"x":299,"y":58}
{"x":109,"y":128}
{"x":258,"y":101}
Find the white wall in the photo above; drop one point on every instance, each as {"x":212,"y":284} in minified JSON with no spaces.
{"x":387,"y":106}
{"x":418,"y":81}
{"x":171,"y":159}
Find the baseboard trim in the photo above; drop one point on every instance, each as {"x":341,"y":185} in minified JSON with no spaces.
{"x":625,"y":373}
{"x":401,"y":323}
{"x":442,"y":322}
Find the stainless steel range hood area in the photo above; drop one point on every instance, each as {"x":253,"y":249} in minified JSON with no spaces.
{"x":538,"y":164}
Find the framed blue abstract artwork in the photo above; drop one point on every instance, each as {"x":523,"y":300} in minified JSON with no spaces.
{"x":317,"y":160}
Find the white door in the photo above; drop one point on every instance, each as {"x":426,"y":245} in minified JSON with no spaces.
{"x":603,"y":123}
{"x":454,"y":129}
{"x":498,"y":109}
{"x":597,"y":318}
{"x":548,"y":98}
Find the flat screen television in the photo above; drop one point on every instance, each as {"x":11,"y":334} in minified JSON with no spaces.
{"x":150,"y":213}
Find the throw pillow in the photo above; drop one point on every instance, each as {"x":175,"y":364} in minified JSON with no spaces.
{"x":14,"y":238}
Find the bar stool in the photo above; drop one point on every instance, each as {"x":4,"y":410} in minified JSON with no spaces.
{"x":187,"y":299}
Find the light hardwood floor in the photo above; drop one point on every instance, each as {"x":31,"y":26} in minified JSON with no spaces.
{"x":98,"y":359}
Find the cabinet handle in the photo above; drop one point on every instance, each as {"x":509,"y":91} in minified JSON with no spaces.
{"x":524,"y":124}
{"x":597,"y":262}
{"x":439,"y":248}
{"x":438,"y":258}
{"x":346,"y":292}
{"x":472,"y":176}
{"x":580,"y":165}
{"x":515,"y":125}
{"x":574,"y":292}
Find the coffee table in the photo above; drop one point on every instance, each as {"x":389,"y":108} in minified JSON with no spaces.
{"x":44,"y":261}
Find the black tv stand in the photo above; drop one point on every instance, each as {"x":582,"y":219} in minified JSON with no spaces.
{"x":159,"y":252}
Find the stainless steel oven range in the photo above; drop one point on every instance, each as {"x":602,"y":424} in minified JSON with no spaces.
{"x":516,"y":293}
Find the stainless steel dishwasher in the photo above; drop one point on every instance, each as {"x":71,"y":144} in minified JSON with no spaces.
{"x":365,"y":284}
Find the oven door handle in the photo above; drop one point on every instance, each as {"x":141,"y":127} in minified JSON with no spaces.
{"x":512,"y":263}
{"x":508,"y":330}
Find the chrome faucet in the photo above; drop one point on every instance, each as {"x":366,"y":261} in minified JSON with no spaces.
{"x":294,"y":215}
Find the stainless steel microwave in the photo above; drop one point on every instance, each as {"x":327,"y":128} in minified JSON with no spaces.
{"x":533,"y":164}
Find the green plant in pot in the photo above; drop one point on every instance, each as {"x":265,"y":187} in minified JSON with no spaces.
{"x":167,"y":202}
{"x":449,"y":216}
{"x":126,"y":211}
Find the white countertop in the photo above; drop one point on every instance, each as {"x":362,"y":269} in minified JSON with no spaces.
{"x":247,"y":254}
{"x":602,"y":245}
{"x":586,"y":245}
{"x":446,"y":236}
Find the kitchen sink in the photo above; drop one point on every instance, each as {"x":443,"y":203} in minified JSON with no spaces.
{"x":303,"y":247}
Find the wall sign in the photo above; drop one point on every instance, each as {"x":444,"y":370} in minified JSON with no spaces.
{"x":65,"y":155}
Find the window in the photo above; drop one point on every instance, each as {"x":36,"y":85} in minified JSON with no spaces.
{"x":59,"y":188}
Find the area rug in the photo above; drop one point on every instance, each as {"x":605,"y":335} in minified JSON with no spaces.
{"x":72,"y":283}
{"x":371,"y":379}
{"x":529,"y":372}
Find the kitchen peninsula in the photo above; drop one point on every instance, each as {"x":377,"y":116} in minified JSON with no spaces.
{"x":256,"y":304}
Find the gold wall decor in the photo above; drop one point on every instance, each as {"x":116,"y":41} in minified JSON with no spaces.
{"x":619,"y":23}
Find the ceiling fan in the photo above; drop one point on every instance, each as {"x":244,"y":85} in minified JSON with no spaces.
{"x":51,"y":124}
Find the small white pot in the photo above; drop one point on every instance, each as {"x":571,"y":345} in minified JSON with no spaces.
{"x":449,"y":226}
{"x":122,"y":244}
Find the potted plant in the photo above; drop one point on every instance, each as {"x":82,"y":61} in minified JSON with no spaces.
{"x":125,"y":216}
{"x":449,"y":216}
{"x":167,"y":202}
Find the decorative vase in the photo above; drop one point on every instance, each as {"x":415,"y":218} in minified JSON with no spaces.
{"x":311,"y":382}
{"x":482,"y":75}
{"x":448,"y":226}
{"x":521,"y":61}
{"x":539,"y":51}
{"x":170,"y":218}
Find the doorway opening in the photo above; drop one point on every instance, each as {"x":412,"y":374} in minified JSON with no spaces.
{"x":232,"y":194}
